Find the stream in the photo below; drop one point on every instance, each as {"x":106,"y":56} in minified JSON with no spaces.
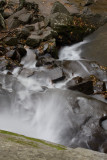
{"x":31,"y":105}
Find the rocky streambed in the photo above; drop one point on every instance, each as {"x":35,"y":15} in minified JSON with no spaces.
{"x":51,"y":88}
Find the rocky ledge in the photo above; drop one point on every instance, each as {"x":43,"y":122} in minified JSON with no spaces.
{"x":14,"y":146}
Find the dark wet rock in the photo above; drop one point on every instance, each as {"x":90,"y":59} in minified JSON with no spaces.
{"x":1,"y":53}
{"x":84,"y":87}
{"x":59,"y":7}
{"x":88,"y":2}
{"x":7,"y":64}
{"x":2,"y":21}
{"x":47,"y":47}
{"x":7,"y":13}
{"x":14,"y":55}
{"x":2,"y":3}
{"x":11,"y":41}
{"x":30,"y":27}
{"x":21,"y":50}
{"x":23,"y":33}
{"x":31,"y":5}
{"x":69,"y":29}
{"x":25,"y":18}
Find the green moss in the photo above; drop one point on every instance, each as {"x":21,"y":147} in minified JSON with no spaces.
{"x":21,"y":141}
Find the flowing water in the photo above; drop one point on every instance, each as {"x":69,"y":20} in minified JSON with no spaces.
{"x":27,"y":109}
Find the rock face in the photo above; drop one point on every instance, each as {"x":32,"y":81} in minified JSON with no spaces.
{"x":17,"y":147}
{"x":96,"y":49}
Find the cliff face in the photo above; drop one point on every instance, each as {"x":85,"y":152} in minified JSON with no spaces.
{"x":15,"y":147}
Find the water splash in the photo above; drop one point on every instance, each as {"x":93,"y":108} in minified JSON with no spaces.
{"x":71,"y":52}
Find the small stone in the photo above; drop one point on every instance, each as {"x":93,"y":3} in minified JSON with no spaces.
{"x":23,"y":33}
{"x":25,"y":18}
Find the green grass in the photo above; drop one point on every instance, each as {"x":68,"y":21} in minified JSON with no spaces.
{"x":21,"y":141}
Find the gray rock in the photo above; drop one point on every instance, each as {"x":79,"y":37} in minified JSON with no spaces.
{"x":96,"y":47}
{"x":59,"y":7}
{"x":26,"y":72}
{"x":60,"y":21}
{"x":25,"y":18}
{"x":55,"y":75}
{"x":12,"y":21}
{"x":36,"y":37}
{"x":33,"y":40}
{"x":28,"y":148}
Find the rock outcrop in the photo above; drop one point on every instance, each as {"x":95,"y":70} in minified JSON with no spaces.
{"x":13,"y":146}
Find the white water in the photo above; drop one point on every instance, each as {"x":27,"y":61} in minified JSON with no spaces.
{"x":72,"y":52}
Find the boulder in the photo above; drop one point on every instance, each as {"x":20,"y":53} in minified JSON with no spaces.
{"x":33,"y":40}
{"x":60,"y":21}
{"x":41,"y":149}
{"x":59,"y":7}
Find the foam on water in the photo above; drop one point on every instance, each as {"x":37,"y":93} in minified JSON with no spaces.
{"x":71,"y":52}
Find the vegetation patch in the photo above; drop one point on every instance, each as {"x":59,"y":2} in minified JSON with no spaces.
{"x":21,"y":141}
